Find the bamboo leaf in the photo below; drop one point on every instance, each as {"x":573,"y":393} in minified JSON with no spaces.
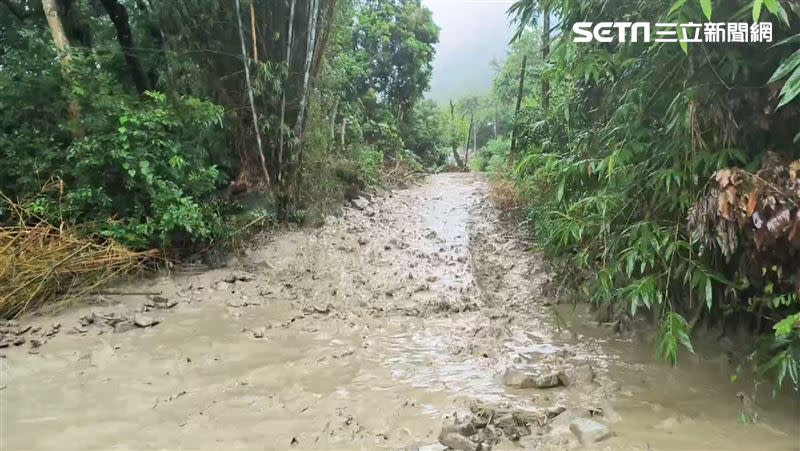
{"x":706,"y":6}
{"x":757,"y":4}
{"x":676,"y":6}
{"x":791,"y":89}
{"x":787,"y":66}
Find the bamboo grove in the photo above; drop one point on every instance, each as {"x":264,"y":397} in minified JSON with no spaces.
{"x":662,"y":179}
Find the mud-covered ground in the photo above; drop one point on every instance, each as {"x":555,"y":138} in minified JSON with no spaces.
{"x":414,"y":318}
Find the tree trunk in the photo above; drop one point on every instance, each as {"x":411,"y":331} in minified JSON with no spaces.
{"x":281,"y":131}
{"x":62,"y":44}
{"x":299,"y":125}
{"x":513,"y":154}
{"x":545,"y":54}
{"x":322,"y":43}
{"x":469,"y":137}
{"x":495,"y":121}
{"x":119,"y":17}
{"x":56,"y":27}
{"x":256,"y":128}
{"x":333,"y":120}
{"x":253,"y":30}
{"x":456,"y":157}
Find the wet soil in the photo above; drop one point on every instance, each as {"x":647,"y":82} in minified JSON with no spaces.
{"x":366,"y":333}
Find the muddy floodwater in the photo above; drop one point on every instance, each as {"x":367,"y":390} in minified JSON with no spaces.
{"x":404,"y":312}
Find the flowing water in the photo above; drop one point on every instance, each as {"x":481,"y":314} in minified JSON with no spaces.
{"x":361,"y":334}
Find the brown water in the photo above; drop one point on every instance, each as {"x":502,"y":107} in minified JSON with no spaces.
{"x":367,"y":332}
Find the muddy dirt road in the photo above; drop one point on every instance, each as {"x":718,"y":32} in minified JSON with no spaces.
{"x":410,"y":310}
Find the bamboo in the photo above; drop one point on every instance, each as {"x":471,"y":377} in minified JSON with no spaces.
{"x":250,"y":96}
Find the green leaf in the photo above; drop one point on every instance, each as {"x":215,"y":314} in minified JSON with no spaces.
{"x":772,"y":5}
{"x":791,"y":89}
{"x":682,"y":37}
{"x":789,"y":40}
{"x":757,"y":4}
{"x":787,"y":66}
{"x":676,"y":6}
{"x":706,"y":5}
{"x":709,"y":293}
{"x":784,"y":327}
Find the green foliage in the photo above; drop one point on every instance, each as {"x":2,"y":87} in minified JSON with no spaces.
{"x":633,"y":133}
{"x":139,"y":171}
{"x":493,"y":157}
{"x":674,"y":331}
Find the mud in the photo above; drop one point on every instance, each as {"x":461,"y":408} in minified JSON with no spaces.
{"x":411,"y":310}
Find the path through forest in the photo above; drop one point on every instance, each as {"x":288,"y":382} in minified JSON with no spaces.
{"x":368,"y":332}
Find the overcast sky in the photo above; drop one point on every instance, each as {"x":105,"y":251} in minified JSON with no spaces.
{"x":473,"y":32}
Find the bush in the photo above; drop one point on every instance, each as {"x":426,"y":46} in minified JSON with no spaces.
{"x":134,"y":169}
{"x":493,"y":157}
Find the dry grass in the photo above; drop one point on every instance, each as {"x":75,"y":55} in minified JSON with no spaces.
{"x":42,"y":264}
{"x":505,"y":197}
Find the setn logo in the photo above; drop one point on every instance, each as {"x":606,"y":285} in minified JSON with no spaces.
{"x":672,"y":32}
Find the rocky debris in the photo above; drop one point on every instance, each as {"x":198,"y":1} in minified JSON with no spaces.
{"x":359,"y":203}
{"x":160,"y":302}
{"x":259,"y":332}
{"x":319,"y":309}
{"x":239,"y":277}
{"x":488,"y":425}
{"x":530,"y":377}
{"x":578,"y":375}
{"x":144,"y":321}
{"x":589,"y":431}
{"x":243,"y":302}
{"x":12,"y":334}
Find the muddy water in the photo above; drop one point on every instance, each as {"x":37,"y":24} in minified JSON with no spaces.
{"x":362,"y":334}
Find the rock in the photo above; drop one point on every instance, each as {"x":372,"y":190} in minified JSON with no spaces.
{"x":517,"y":378}
{"x":488,"y":436}
{"x":588,"y":431}
{"x":123,"y":326}
{"x":506,"y":422}
{"x":162,"y":302}
{"x":577,"y":375}
{"x":456,"y":441}
{"x":466,"y":428}
{"x":359,"y":203}
{"x":546,"y":380}
{"x":23,"y":330}
{"x":144,"y":321}
{"x":19,"y":341}
{"x":238,"y":277}
{"x":362,"y":241}
{"x":555,"y":411}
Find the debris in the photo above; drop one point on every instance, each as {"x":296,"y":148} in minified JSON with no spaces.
{"x":588,"y":431}
{"x":144,"y":321}
{"x":518,"y":377}
{"x":239,"y":277}
{"x":359,"y":203}
{"x":577,"y":375}
{"x":161,"y":302}
{"x":123,"y":327}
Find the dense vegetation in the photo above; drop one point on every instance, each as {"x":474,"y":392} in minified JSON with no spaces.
{"x":664,"y":177}
{"x":145,"y":121}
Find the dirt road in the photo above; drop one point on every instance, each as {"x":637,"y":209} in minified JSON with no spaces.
{"x":366,"y":333}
